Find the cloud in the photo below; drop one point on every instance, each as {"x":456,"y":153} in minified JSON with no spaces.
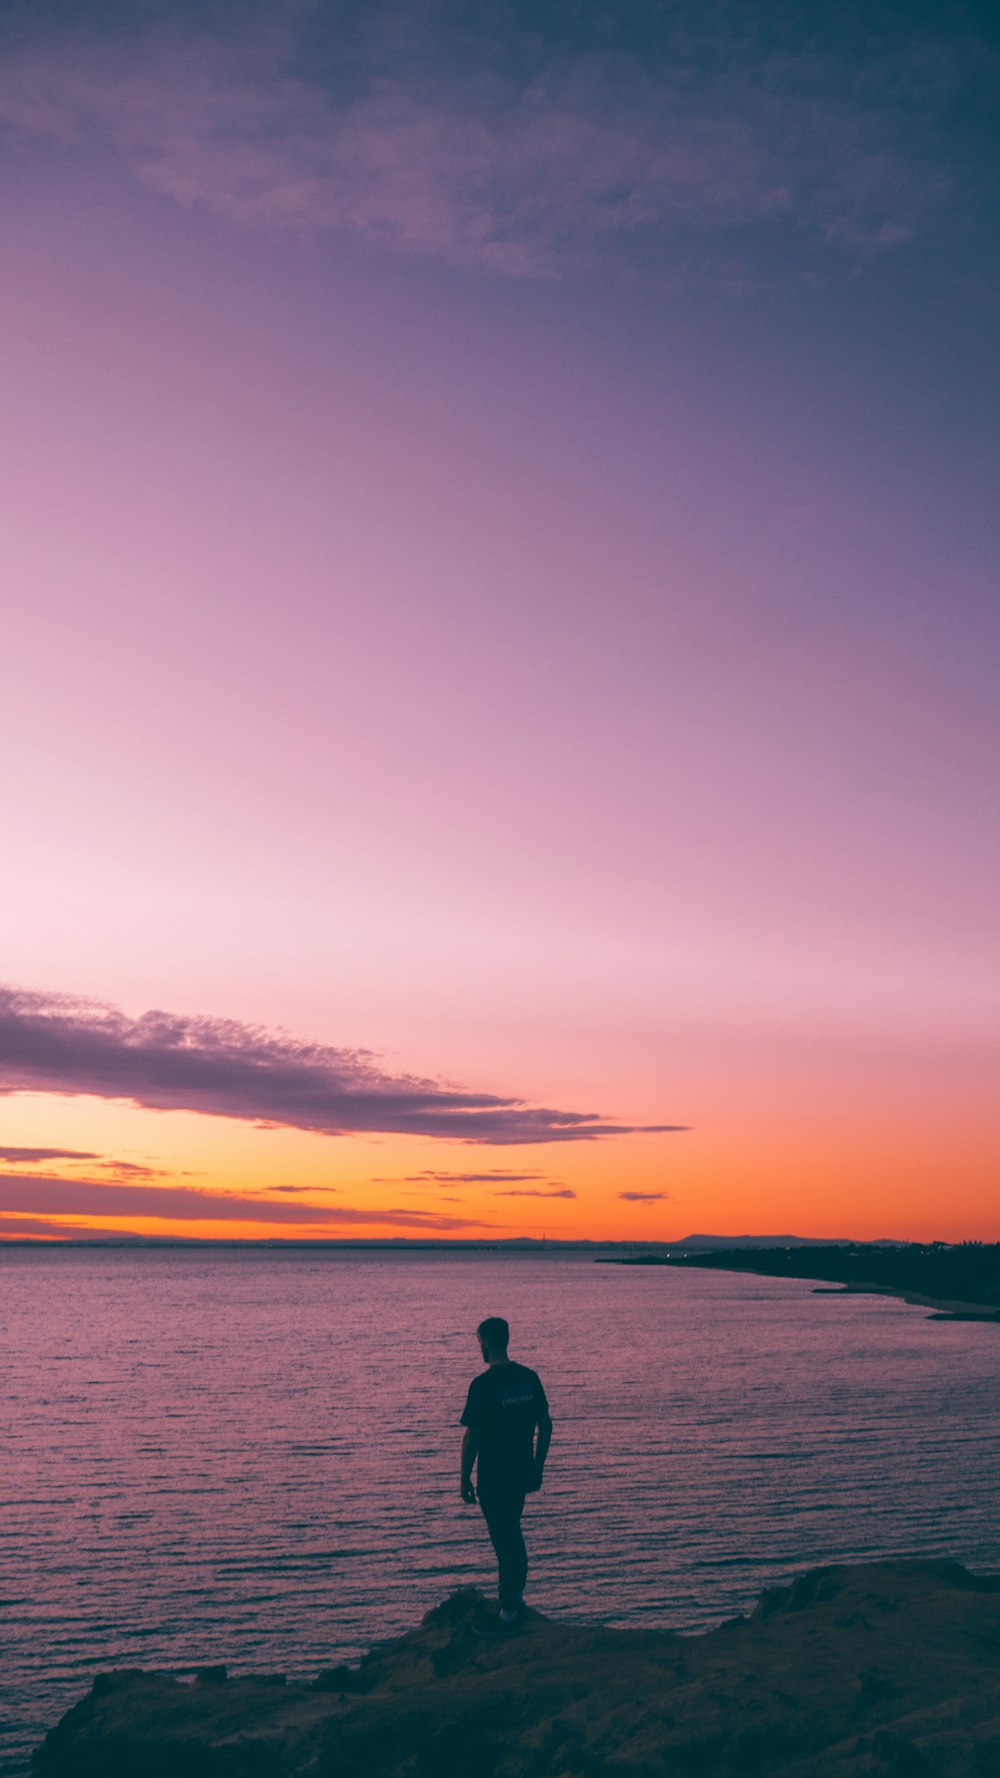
{"x":520,"y":153}
{"x":117,"y":1169}
{"x":33,"y":1157}
{"x":529,"y":1191}
{"x":34,"y":1195}
{"x":40,"y":1225}
{"x":643,"y":1197}
{"x":131,"y":1170}
{"x":300,"y":1188}
{"x":167,"y":1062}
{"x":440,"y":1176}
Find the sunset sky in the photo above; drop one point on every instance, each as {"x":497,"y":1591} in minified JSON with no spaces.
{"x":501,"y":623}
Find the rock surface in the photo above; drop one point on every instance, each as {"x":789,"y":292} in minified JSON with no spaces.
{"x":888,"y":1669}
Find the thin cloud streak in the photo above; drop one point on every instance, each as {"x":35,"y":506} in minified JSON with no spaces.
{"x":436,"y":1176}
{"x":35,"y":1194}
{"x":167,"y":1062}
{"x":131,"y":1170}
{"x":302,"y":1189}
{"x":643,"y":1197}
{"x":33,"y":1157}
{"x":19,"y":1226}
{"x":110,"y":1164}
{"x":528,"y":1191}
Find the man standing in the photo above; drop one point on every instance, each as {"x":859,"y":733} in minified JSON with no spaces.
{"x":505,"y":1404}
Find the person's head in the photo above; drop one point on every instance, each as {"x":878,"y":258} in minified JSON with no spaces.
{"x":493,"y":1335}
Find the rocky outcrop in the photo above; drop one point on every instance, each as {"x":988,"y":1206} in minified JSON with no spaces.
{"x":890,"y":1669}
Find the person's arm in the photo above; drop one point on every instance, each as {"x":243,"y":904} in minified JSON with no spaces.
{"x":470,"y":1447}
{"x":542,"y":1443}
{"x":542,"y":1440}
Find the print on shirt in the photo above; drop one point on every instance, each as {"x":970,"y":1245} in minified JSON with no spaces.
{"x":504,"y":1405}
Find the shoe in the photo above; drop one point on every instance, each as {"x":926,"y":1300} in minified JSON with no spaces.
{"x":496,"y":1630}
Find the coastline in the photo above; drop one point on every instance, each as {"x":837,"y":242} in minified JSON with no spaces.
{"x":879,"y":1668}
{"x":953,"y":1284}
{"x":944,"y":1308}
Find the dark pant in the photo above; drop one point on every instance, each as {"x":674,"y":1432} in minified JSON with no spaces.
{"x":502,"y":1509}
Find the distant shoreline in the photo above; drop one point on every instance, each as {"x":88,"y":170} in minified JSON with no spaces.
{"x":954,"y":1284}
{"x":945,"y":1308}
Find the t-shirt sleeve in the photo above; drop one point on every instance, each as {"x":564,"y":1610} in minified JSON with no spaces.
{"x":541,"y":1405}
{"x":473,"y":1413}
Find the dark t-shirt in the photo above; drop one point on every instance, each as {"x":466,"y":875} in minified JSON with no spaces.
{"x":504,"y":1405}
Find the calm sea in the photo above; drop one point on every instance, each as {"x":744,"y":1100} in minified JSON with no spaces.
{"x":252,"y":1457}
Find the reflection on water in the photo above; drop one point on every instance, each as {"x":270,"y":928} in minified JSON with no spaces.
{"x":252,"y":1457}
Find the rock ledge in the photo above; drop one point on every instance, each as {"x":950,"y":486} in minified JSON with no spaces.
{"x":889,"y":1669}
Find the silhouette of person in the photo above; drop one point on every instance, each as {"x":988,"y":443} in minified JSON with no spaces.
{"x":505,"y":1405}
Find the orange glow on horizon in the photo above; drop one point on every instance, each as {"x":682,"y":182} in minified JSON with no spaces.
{"x":814,"y":1175}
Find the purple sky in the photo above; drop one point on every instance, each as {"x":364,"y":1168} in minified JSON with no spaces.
{"x":501,"y":551}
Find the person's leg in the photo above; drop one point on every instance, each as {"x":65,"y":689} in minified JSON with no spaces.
{"x":502,"y":1512}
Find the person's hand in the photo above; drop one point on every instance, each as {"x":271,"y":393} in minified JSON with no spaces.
{"x":468,"y":1494}
{"x":535,"y":1480}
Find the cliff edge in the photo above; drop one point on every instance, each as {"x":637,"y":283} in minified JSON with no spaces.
{"x":889,"y":1669}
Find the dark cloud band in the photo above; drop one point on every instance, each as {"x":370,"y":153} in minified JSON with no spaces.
{"x":33,"y":1196}
{"x":166,"y":1062}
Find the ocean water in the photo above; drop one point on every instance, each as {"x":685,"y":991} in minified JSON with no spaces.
{"x":252,"y":1456}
